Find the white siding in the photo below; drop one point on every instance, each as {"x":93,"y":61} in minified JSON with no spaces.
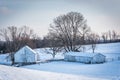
{"x":25,"y":55}
{"x":98,"y":59}
{"x":85,"y":57}
{"x":70,"y":58}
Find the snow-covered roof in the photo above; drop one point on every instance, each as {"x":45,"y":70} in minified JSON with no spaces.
{"x":81,"y":54}
{"x":27,"y":48}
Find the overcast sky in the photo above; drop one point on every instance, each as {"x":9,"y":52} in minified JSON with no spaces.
{"x":101,"y":15}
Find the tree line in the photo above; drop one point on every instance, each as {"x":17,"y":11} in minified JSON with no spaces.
{"x":68,"y":31}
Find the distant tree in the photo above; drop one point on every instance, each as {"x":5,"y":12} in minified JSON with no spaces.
{"x":114,"y":35}
{"x":27,"y":37}
{"x":69,"y":28}
{"x":105,"y":36}
{"x":9,"y":34}
{"x":53,"y":46}
{"x":93,"y":40}
{"x":16,"y":38}
{"x":84,"y":31}
{"x":2,"y":47}
{"x":110,"y":35}
{"x":39,"y":43}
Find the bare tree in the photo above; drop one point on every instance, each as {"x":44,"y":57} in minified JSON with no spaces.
{"x":114,"y":35}
{"x":110,"y":35}
{"x":27,"y":37}
{"x":9,"y":34}
{"x":105,"y":36}
{"x":84,"y":31}
{"x":53,"y":46}
{"x":2,"y":47}
{"x":93,"y":40}
{"x":68,"y":29}
{"x":16,"y":38}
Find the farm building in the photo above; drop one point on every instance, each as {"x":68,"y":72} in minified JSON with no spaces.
{"x":26,"y":55}
{"x":85,"y":57}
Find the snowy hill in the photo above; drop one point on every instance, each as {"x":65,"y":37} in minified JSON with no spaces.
{"x":105,"y":48}
{"x":110,"y":50}
{"x":61,"y":70}
{"x":13,"y":73}
{"x":108,"y":70}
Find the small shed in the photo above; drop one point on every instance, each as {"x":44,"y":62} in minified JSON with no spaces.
{"x":82,"y":57}
{"x":26,"y":55}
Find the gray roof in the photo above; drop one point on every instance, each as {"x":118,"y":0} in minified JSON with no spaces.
{"x":82,"y":54}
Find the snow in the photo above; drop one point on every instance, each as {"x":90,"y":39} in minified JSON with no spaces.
{"x":110,"y":50}
{"x":61,"y":70}
{"x":105,"y":48}
{"x":85,"y":54}
{"x":13,"y":73}
{"x":107,"y":70}
{"x":44,"y":56}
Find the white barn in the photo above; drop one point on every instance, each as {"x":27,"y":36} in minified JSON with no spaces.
{"x":85,"y":57}
{"x":26,"y":55}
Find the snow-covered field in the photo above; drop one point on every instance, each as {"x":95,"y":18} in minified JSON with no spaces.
{"x":13,"y":73}
{"x":61,"y":70}
{"x":107,"y":70}
{"x":110,"y":50}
